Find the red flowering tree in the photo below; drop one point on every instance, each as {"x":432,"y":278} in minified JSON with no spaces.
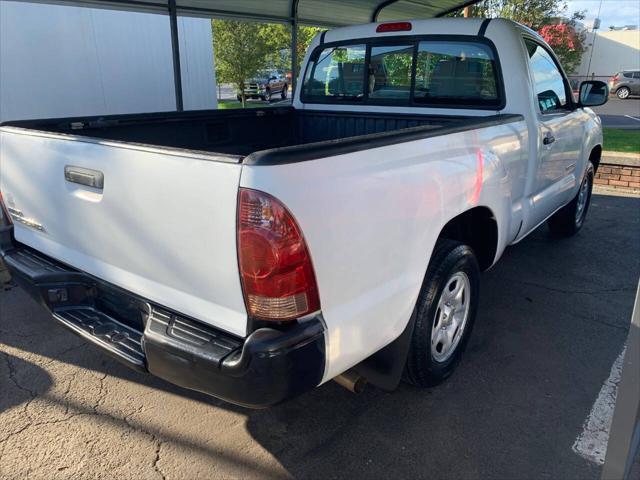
{"x":567,"y":44}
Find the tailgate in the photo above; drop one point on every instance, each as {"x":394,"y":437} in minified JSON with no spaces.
{"x":163,"y":225}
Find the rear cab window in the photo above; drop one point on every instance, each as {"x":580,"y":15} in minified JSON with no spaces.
{"x":337,"y":73}
{"x":459,"y":72}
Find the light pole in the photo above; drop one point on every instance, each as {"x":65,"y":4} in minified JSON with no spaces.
{"x":596,"y":25}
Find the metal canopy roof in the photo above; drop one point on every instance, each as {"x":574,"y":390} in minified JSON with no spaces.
{"x":310,"y":12}
{"x":330,"y":13}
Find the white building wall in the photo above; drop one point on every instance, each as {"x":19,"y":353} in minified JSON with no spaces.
{"x":58,"y":61}
{"x":613,"y":51}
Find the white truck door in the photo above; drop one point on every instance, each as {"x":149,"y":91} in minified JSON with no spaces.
{"x":559,"y":134}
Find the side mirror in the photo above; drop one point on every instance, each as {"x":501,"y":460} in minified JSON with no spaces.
{"x":593,"y":93}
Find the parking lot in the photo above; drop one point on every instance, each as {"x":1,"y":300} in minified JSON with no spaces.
{"x":553,"y":318}
{"x":624,"y":114}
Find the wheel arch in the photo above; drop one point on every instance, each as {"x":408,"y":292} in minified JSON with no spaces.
{"x":477,"y":228}
{"x":595,"y":156}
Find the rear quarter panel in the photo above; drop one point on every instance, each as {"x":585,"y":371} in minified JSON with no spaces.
{"x":371,"y":219}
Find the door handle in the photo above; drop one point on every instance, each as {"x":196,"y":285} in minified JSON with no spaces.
{"x":548,"y":140}
{"x":84,"y":176}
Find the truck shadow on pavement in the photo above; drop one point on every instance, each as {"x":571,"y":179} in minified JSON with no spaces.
{"x":553,"y":316}
{"x":21,"y":381}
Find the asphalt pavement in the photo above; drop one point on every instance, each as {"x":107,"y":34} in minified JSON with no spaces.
{"x":553,"y":318}
{"x":624,"y":114}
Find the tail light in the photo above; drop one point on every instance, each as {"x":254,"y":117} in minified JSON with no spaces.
{"x":275,"y":266}
{"x":5,"y":218}
{"x":394,"y":27}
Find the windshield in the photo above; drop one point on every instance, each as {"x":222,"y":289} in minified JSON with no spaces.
{"x":426,"y":73}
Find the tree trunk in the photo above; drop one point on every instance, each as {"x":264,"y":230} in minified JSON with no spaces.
{"x":243,"y":98}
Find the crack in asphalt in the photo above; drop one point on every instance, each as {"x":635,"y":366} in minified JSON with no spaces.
{"x":32,"y":394}
{"x":102,"y":394}
{"x":155,"y":465}
{"x":570,"y":292}
{"x":62,"y":353}
{"x":19,"y":335}
{"x":100,"y":398}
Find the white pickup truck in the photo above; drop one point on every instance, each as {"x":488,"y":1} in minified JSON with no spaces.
{"x":256,"y":254}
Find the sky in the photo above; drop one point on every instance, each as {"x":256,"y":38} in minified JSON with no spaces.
{"x":613,"y":12}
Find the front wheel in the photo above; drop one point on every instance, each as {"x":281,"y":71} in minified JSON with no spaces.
{"x":623,"y":93}
{"x":444,"y":314}
{"x":570,"y":218}
{"x":283,"y":95}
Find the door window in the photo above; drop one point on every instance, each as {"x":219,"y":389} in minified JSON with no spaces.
{"x":549,"y":84}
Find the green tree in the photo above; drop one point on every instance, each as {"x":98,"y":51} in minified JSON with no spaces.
{"x":278,"y":39}
{"x":533,"y":13}
{"x":240,"y":51}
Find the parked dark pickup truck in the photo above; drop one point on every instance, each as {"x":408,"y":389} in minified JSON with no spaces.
{"x":265,"y":86}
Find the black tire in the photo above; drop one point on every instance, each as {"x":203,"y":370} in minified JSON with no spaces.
{"x":267,"y":96}
{"x":448,"y":260}
{"x":623,"y":93}
{"x":283,"y":95}
{"x":569,"y":219}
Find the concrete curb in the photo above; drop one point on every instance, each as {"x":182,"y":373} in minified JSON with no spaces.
{"x":616,"y":191}
{"x":620,"y":158}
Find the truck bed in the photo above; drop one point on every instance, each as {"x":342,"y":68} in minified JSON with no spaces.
{"x":237,"y":134}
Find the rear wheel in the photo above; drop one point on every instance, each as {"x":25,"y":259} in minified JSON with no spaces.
{"x":570,"y":218}
{"x":623,"y":93}
{"x":444,"y":314}
{"x":283,"y":95}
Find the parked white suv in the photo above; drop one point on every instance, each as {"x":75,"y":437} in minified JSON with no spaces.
{"x":347,"y":243}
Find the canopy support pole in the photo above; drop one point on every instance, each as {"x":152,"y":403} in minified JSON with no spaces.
{"x":380,"y":7}
{"x":294,"y":44}
{"x":175,"y":49}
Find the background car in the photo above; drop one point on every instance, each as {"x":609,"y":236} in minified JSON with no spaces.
{"x":625,"y":83}
{"x":265,"y":85}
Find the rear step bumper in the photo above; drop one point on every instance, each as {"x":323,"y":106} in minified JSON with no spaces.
{"x":264,"y":369}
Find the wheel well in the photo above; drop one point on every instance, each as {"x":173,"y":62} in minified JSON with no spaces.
{"x":478,"y":229}
{"x":594,"y":157}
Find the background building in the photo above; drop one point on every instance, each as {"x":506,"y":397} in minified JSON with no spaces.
{"x":610,"y":52}
{"x":58,"y":61}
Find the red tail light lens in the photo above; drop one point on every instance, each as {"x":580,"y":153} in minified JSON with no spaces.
{"x":5,"y":218}
{"x":275,"y":266}
{"x":394,"y":27}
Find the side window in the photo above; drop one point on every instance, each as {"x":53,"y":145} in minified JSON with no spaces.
{"x":548,"y":81}
{"x":628,"y":75}
{"x":636,"y":75}
{"x":390,"y":72}
{"x":337,"y":74}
